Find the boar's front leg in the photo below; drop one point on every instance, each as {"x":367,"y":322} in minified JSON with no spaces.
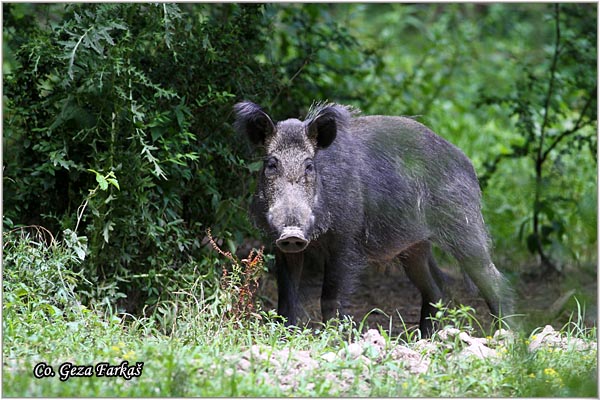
{"x":289,"y":270}
{"x":338,"y":281}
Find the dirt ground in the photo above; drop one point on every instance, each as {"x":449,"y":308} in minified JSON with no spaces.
{"x":388,"y":289}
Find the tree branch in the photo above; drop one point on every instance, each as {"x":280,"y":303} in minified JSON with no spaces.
{"x":578,"y":125}
{"x":540,"y":158}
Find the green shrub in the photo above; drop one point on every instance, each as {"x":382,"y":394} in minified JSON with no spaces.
{"x":142,"y":92}
{"x":39,"y":271}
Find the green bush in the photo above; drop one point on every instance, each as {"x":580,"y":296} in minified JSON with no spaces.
{"x":554,"y":107}
{"x":37,"y":267}
{"x":142,"y":92}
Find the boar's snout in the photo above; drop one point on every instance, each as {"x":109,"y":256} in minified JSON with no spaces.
{"x":292,"y":240}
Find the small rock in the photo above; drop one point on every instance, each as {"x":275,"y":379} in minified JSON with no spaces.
{"x":329,"y":356}
{"x":426,"y":346}
{"x":354,"y":350}
{"x":403,"y":353}
{"x":304,"y":360}
{"x":282,"y":355}
{"x":502,"y":334}
{"x":580,"y":344}
{"x":470,"y":340}
{"x":416,"y":363}
{"x":256,"y":353}
{"x":551,"y":338}
{"x":547,"y":335}
{"x":372,"y":352}
{"x":365,"y":361}
{"x":244,"y":364}
{"x":373,"y":337}
{"x":447,"y":333}
{"x":478,"y":350}
{"x":465,"y":337}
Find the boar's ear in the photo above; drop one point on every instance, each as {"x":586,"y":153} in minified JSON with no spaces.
{"x":324,"y":121}
{"x":251,"y":120}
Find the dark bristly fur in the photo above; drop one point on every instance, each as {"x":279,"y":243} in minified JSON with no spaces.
{"x":343,"y":190}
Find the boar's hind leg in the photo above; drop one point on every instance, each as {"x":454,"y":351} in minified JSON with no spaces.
{"x":424,"y":273}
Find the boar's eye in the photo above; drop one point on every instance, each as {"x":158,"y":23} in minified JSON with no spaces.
{"x":309,"y":166}
{"x":271,"y":165}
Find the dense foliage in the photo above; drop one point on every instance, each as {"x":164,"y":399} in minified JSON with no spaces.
{"x":117,"y":120}
{"x":140,"y":92}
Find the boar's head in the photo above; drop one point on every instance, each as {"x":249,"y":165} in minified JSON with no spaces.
{"x":289,"y":182}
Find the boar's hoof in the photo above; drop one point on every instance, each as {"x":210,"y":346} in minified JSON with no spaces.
{"x":291,"y":240}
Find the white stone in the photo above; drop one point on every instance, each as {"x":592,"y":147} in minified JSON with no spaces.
{"x":329,"y":356}
{"x":354,"y":350}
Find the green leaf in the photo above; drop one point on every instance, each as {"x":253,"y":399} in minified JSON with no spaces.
{"x":113,"y":182}
{"x":255,"y":166}
{"x":102,"y":182}
{"x":106,"y":231}
{"x":231,"y":246}
{"x":80,"y":251}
